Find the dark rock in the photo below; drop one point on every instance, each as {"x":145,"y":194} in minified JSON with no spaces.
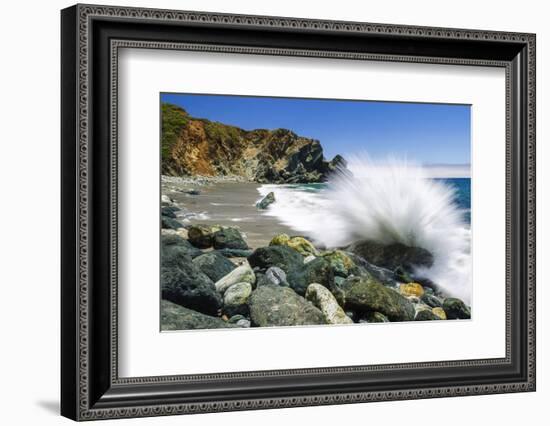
{"x":384,"y":275}
{"x":431,"y":300}
{"x":184,"y":284}
{"x":282,"y":256}
{"x":229,"y":238}
{"x":266,"y":201}
{"x":214,"y":265}
{"x":342,"y":264}
{"x":376,"y":317}
{"x":174,"y":246}
{"x":169,"y":211}
{"x":272,"y":306}
{"x":401,"y":275}
{"x":261,"y":280}
{"x":426,"y":315}
{"x":365,"y":294}
{"x":227,"y":252}
{"x":456,"y":309}
{"x":169,"y":223}
{"x":317,"y":271}
{"x":392,"y":255}
{"x":176,"y":317}
{"x":201,"y":236}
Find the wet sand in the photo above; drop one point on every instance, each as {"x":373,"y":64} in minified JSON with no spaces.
{"x":229,"y":204}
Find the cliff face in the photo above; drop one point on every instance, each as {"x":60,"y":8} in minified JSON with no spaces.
{"x":194,"y":146}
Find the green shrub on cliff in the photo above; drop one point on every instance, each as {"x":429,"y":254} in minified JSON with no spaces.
{"x":174,"y":119}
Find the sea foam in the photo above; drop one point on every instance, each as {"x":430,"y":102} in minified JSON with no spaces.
{"x":387,"y":201}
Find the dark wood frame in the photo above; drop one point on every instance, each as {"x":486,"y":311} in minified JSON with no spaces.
{"x":90,"y":386}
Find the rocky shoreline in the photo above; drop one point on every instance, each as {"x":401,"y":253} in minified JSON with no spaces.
{"x":212,"y":278}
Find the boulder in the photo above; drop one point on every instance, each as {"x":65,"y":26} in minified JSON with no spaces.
{"x":266,"y":201}
{"x":411,"y":289}
{"x":169,"y":211}
{"x":384,"y":275}
{"x":431,"y":300}
{"x":185,"y":285}
{"x":241,"y":274}
{"x":176,"y":317}
{"x":440,"y":312}
{"x":235,"y":299}
{"x":317,"y":271}
{"x":300,"y":244}
{"x":275,"y":306}
{"x":365,"y":294}
{"x":229,"y":238}
{"x":323,"y":299}
{"x":172,"y":245}
{"x":201,"y":235}
{"x":214,"y":265}
{"x":456,"y":309}
{"x":341,"y":263}
{"x":426,"y":315}
{"x":281,"y":256}
{"x":391,"y":256}
{"x":169,"y":223}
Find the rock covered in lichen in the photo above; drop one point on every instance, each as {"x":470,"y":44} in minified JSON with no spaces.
{"x":323,"y":299}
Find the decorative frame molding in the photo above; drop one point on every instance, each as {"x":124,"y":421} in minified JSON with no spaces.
{"x":86,"y":397}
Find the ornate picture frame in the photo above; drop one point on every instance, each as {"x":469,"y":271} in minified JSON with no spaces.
{"x":91,"y":37}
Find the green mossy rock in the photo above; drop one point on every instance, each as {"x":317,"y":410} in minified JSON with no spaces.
{"x":281,"y":256}
{"x":275,"y":306}
{"x":266,"y":201}
{"x":235,"y":299}
{"x":365,"y":294}
{"x":300,"y":244}
{"x":456,"y":309}
{"x":341,"y":263}
{"x":317,"y":271}
{"x":201,"y":236}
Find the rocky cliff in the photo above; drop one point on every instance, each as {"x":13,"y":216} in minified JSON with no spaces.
{"x":195,"y":146}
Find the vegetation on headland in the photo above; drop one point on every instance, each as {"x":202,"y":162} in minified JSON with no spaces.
{"x":200,"y":147}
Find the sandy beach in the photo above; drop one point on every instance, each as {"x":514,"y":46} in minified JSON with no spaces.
{"x":227,"y":204}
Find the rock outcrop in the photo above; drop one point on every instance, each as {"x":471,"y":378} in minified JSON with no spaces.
{"x":195,"y":146}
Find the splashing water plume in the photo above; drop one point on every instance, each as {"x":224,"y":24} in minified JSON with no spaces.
{"x":390,"y":201}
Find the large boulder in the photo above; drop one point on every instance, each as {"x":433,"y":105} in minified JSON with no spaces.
{"x":365,"y":294}
{"x":241,"y":274}
{"x":229,"y":238}
{"x":300,"y":244}
{"x":184,"y":284}
{"x":384,"y":275}
{"x":170,"y":223}
{"x":393,"y":255}
{"x":456,"y":309}
{"x":426,"y":315}
{"x":173,"y":246}
{"x":214,"y":265}
{"x":201,"y":236}
{"x":281,"y":256}
{"x":317,"y":271}
{"x":176,"y":317}
{"x":227,"y":252}
{"x":275,"y":306}
{"x":235,"y":299}
{"x":323,"y":299}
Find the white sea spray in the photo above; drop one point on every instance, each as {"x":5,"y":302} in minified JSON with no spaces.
{"x":386,"y":201}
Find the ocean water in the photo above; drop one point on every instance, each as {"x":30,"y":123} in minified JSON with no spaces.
{"x":387,"y":202}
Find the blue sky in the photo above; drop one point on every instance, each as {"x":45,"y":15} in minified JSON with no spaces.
{"x":428,"y":134}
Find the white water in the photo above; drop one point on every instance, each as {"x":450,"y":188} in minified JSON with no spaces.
{"x":390,"y":201}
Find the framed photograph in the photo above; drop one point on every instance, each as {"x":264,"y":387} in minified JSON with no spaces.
{"x":263,"y":212}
